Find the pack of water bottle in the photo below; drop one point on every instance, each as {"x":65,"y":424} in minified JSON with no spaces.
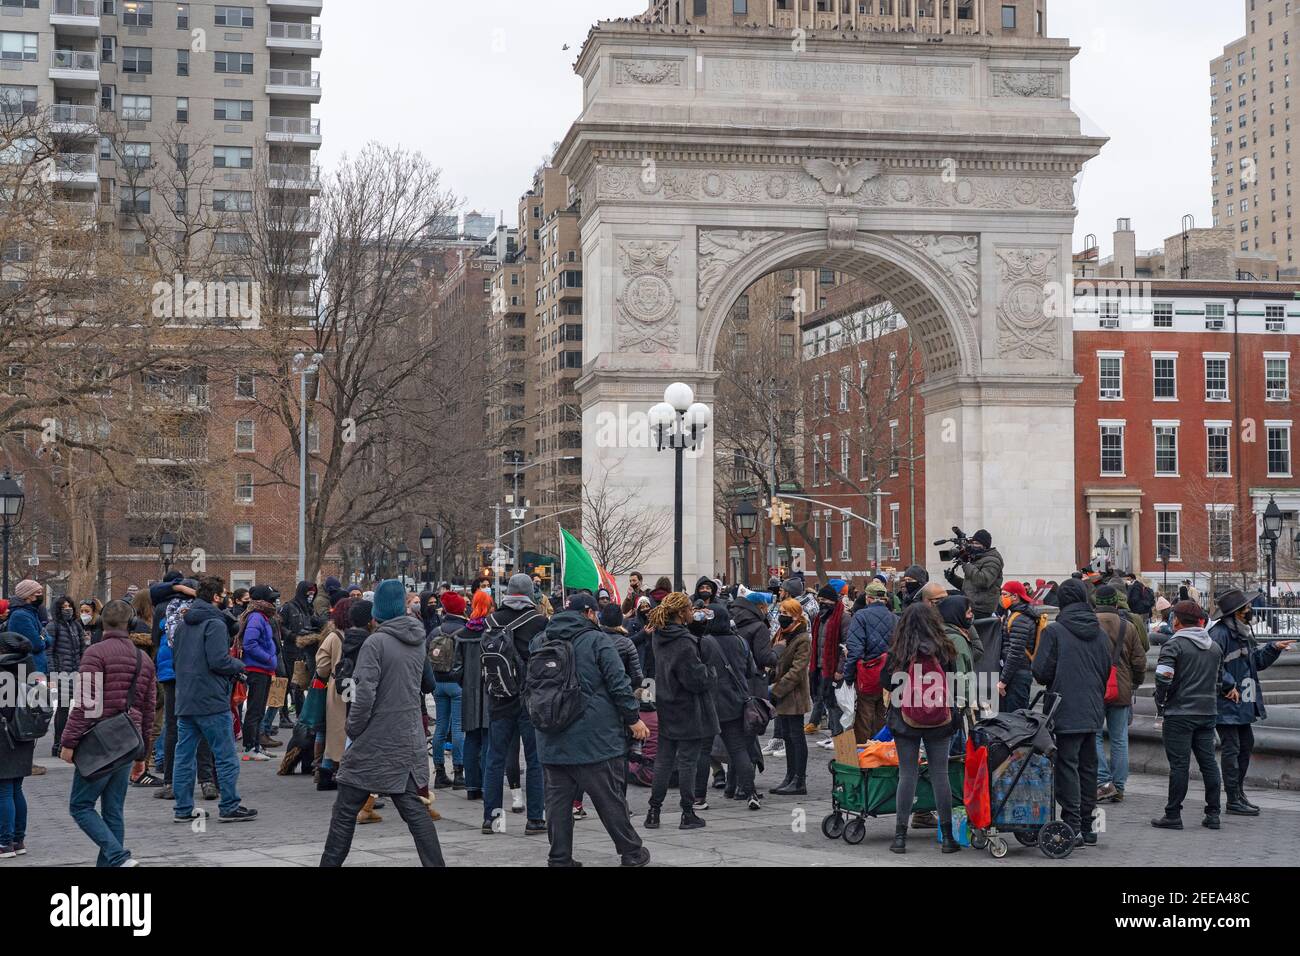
{"x":1030,"y":804}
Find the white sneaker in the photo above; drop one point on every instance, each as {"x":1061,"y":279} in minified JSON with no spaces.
{"x":257,"y":754}
{"x":517,"y":801}
{"x":774,"y":748}
{"x":827,"y":744}
{"x":130,"y":861}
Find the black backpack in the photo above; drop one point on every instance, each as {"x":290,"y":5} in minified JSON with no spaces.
{"x":500,"y":659}
{"x":442,"y":652}
{"x":555,"y":698}
{"x":32,"y":715}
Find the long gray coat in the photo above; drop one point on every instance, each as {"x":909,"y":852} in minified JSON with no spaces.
{"x":384,"y":723}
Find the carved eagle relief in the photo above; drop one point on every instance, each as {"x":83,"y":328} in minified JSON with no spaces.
{"x":840,"y":177}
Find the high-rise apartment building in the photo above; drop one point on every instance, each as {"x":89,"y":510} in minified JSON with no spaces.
{"x":1252,"y":109}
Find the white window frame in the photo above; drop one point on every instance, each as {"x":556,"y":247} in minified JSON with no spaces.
{"x":1290,"y":448}
{"x":252,"y":491}
{"x":1285,"y":394}
{"x":1170,"y":357}
{"x":1226,"y":392}
{"x":1155,"y":449}
{"x":1102,"y":425}
{"x":1209,"y":427}
{"x":1212,"y":512}
{"x":1157,"y":313}
{"x":252,"y":436}
{"x":1222,"y":320}
{"x":235,"y":539}
{"x":1175,"y":553}
{"x":1104,"y":394}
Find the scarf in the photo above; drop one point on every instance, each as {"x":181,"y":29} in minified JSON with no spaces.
{"x":825,"y":635}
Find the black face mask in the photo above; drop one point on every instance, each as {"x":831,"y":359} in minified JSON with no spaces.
{"x":67,"y":613}
{"x":785,"y":620}
{"x":826,"y":607}
{"x":913,"y":587}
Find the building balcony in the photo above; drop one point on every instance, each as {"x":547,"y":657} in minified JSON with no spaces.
{"x":293,"y":130}
{"x":293,"y":177}
{"x":76,"y":69}
{"x":76,"y":17}
{"x":174,"y":449}
{"x":304,"y":220}
{"x":311,"y":8}
{"x":294,"y":37}
{"x":77,"y":170}
{"x":182,"y":503}
{"x":74,"y":121}
{"x":293,"y":85}
{"x":177,"y":395}
{"x":82,"y":213}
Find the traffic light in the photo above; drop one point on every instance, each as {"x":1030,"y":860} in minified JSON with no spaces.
{"x":782,"y":514}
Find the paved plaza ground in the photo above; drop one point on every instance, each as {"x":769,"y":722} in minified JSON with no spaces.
{"x":293,"y":817}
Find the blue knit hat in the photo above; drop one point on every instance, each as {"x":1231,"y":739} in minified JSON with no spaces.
{"x":390,"y":600}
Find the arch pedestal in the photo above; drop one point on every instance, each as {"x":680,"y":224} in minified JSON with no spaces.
{"x":707,"y":162}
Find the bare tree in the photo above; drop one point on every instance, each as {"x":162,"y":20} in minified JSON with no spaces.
{"x":618,"y":528}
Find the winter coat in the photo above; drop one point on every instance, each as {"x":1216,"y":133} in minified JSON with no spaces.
{"x":474,"y":700}
{"x":205,"y":671}
{"x":890,"y":683}
{"x":789,"y":689}
{"x":964,"y":666}
{"x":1127,"y":653}
{"x":15,"y":657}
{"x":1189,"y":675}
{"x":1121,"y":600}
{"x":608,"y":707}
{"x":1243,"y":659}
{"x":1140,"y":598}
{"x":261,"y":652}
{"x":67,"y":642}
{"x":751,"y":624}
{"x":871,"y":631}
{"x":328,"y":656}
{"x":728,"y":655}
{"x":299,"y":615}
{"x":1073,"y":661}
{"x":1019,"y":631}
{"x":627,"y":654}
{"x":644,"y":642}
{"x":384,"y":722}
{"x":523,"y":639}
{"x":981,"y":581}
{"x":29,"y":621}
{"x":918,"y":574}
{"x":111,"y":664}
{"x":683,"y":685}
{"x":829,"y":631}
{"x":160,"y":595}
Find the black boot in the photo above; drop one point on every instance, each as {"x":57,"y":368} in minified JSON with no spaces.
{"x":950,"y":844}
{"x":440,"y":779}
{"x":325,"y":780}
{"x":1238,"y":806}
{"x":900,"y":840}
{"x":458,"y":778}
{"x":690,"y":821}
{"x":652,"y":818}
{"x":795,"y":788}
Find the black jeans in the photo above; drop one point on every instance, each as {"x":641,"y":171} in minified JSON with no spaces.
{"x":343,"y":824}
{"x":790,"y":729}
{"x":1185,"y":736}
{"x":1076,"y":779}
{"x":604,"y":783}
{"x":207,"y":764}
{"x":1238,"y":744}
{"x":740,"y":763}
{"x":682,"y":756}
{"x":259,"y":687}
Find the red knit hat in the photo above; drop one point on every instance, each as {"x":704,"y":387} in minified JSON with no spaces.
{"x":1016,"y":589}
{"x":453,"y":603}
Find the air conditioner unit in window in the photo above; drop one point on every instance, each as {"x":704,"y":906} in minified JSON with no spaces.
{"x":1110,"y":393}
{"x":1278,"y":394}
{"x":1110,"y":322}
{"x":844,"y":555}
{"x":1216,"y":395}
{"x":1214,"y":325}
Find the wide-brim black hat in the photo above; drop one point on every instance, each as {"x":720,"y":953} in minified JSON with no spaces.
{"x":1230,"y":602}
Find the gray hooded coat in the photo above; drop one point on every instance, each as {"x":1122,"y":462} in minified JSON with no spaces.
{"x":388,"y":747}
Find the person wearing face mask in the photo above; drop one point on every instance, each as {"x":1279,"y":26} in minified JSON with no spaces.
{"x":1020,"y":634}
{"x":88,"y":614}
{"x":914,"y":578}
{"x":27,"y":616}
{"x":870,"y":632}
{"x":790,"y":693}
{"x":67,"y":643}
{"x":830,"y":632}
{"x":1243,"y":704}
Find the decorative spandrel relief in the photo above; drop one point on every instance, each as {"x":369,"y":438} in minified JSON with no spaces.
{"x":796,"y":186}
{"x":840,"y":177}
{"x":958,"y":257}
{"x":1025,"y":327}
{"x":1028,"y":83}
{"x":720,"y":249}
{"x":648,"y":303}
{"x":647,"y":72}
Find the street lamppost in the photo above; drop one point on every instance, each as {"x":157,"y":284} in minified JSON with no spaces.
{"x":426,"y":545}
{"x":1103,"y":546}
{"x":746,"y":522}
{"x":303,"y":368}
{"x":679,"y":423}
{"x":11,"y":505}
{"x":1164,"y":559}
{"x":1272,"y":532}
{"x":403,"y":556}
{"x":167,"y":550}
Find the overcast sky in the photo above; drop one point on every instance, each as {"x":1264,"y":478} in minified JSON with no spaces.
{"x":484,"y":88}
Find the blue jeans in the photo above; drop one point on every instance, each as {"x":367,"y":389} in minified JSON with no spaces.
{"x":1115,"y":769}
{"x":219,"y":731}
{"x":104,"y":828}
{"x":13,"y":811}
{"x":447,"y":700}
{"x":477,"y":752}
{"x":502,"y":733}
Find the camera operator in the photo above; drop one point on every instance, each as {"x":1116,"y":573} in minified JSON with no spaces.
{"x":981,"y":573}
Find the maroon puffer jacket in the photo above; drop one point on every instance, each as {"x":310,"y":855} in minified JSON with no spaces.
{"x":114,"y":658}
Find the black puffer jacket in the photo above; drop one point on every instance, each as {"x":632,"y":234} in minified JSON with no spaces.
{"x":67,"y":642}
{"x":1073,"y":661}
{"x":683,"y":685}
{"x":1019,"y":631}
{"x":729,"y":655}
{"x":751,"y":624}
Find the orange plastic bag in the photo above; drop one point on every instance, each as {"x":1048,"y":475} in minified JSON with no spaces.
{"x":878,"y":753}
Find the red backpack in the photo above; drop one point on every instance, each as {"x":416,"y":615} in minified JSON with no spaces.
{"x":926,"y":696}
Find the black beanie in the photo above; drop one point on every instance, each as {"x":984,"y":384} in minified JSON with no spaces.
{"x":359,"y":614}
{"x":611,"y":616}
{"x":953,"y":610}
{"x":828,"y":593}
{"x":983,"y":537}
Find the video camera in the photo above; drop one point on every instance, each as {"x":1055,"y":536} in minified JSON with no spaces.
{"x":961,"y":553}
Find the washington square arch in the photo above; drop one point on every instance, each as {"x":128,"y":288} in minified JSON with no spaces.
{"x":938,"y":168}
